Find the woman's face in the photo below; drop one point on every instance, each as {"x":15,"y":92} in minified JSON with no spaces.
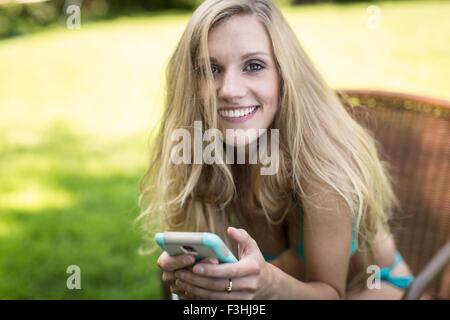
{"x":245,"y":73}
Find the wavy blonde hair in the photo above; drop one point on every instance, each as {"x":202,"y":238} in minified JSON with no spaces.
{"x":319,"y":140}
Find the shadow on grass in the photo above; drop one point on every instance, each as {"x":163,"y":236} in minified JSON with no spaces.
{"x":95,"y":231}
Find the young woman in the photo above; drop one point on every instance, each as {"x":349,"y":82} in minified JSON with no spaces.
{"x":310,"y":230}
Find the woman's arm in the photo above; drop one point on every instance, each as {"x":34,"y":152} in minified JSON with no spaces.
{"x":286,"y":287}
{"x":327,"y":239}
{"x":317,"y":281}
{"x":253,"y":278}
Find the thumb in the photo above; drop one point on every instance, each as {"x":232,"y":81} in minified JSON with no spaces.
{"x":246,"y":243}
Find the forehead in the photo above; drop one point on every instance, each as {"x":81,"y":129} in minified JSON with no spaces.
{"x":238,"y":35}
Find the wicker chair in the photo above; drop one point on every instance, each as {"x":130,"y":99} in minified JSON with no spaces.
{"x":414,"y":137}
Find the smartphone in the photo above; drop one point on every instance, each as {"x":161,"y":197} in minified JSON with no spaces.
{"x":199,"y":244}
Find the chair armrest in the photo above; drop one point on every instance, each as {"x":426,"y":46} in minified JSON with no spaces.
{"x":427,"y":275}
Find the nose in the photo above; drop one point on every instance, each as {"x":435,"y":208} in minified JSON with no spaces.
{"x":231,"y":86}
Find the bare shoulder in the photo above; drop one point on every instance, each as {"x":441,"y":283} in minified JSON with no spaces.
{"x":324,"y":205}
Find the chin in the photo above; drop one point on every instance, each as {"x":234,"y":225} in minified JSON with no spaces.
{"x":241,"y":136}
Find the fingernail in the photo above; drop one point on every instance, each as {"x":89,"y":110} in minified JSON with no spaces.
{"x":199,"y":269}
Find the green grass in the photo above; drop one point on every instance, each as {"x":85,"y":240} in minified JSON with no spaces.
{"x":76,"y":108}
{"x":67,"y":201}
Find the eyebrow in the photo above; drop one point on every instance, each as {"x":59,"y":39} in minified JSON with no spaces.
{"x":249,"y":54}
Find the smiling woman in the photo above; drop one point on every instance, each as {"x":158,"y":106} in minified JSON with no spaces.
{"x":245,"y":73}
{"x":306,"y":232}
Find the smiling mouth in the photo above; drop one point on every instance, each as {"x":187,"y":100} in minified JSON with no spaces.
{"x":238,"y":112}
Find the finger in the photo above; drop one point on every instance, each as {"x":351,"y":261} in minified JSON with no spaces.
{"x":193,"y":291}
{"x":213,"y":284}
{"x":172,"y":263}
{"x":233,"y":270}
{"x":209,"y":260}
{"x":168,"y":277}
{"x":205,"y":260}
{"x":176,"y":290}
{"x":182,"y":295}
{"x":249,"y":283}
{"x":247,"y":245}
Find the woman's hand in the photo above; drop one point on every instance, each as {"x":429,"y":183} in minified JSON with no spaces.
{"x":170,"y":264}
{"x":251,"y":277}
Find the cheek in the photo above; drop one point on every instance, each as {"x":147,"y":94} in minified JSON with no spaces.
{"x":269,"y":93}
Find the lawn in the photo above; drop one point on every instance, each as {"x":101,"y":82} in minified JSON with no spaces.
{"x":76,"y":112}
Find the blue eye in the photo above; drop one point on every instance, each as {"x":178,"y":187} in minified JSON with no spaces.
{"x":252,"y":67}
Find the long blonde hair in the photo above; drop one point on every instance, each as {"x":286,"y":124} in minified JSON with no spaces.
{"x":319,"y":140}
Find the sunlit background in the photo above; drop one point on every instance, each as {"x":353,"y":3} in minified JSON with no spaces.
{"x":77,"y":106}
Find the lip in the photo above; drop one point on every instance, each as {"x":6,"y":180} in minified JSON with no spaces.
{"x":240,"y":119}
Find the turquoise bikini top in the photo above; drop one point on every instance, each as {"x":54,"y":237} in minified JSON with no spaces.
{"x":300,"y":247}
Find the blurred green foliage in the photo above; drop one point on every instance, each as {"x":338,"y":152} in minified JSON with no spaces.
{"x":21,"y":18}
{"x":16,"y":19}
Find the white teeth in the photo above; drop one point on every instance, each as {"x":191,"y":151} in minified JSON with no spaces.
{"x":236,"y":113}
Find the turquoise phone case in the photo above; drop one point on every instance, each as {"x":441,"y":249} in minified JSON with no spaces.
{"x":210,"y":240}
{"x":214,"y":242}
